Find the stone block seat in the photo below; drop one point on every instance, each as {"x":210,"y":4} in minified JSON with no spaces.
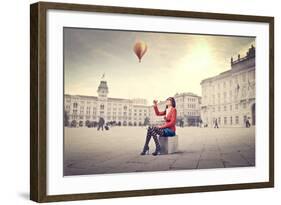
{"x":169,"y":145}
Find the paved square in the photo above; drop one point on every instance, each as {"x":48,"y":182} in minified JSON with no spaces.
{"x":88,"y":151}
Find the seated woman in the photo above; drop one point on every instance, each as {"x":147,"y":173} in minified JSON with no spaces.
{"x":165,"y":130}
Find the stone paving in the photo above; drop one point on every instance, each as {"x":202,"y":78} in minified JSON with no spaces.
{"x":88,"y":151}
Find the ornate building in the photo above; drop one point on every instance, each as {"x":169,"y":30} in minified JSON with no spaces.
{"x":229,"y":97}
{"x":84,"y":109}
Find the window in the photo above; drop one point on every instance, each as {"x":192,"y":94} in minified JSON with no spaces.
{"x":231,"y":120}
{"x":88,"y":110}
{"x":102,"y":107}
{"x":236,"y":106}
{"x":225,"y":120}
{"x":245,"y":118}
{"x":224,"y":108}
{"x":75,"y":105}
{"x":237,"y":120}
{"x":230,"y":107}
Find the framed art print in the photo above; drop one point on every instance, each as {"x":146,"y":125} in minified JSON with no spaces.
{"x":135,"y":102}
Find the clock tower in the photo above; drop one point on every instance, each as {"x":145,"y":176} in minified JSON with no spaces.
{"x":102,"y":90}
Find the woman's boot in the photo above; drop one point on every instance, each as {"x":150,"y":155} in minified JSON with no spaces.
{"x":157,"y":144}
{"x":146,"y":147}
{"x":145,"y":150}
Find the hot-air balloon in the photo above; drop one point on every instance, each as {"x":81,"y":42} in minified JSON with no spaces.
{"x":140,"y":49}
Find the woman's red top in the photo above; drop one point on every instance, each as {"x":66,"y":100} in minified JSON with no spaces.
{"x":170,"y":119}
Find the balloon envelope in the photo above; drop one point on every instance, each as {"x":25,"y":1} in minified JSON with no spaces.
{"x":140,"y":49}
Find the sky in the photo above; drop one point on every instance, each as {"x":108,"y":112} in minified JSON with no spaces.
{"x":173,"y":63}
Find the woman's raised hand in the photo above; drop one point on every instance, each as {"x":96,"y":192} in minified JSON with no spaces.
{"x":155,"y":102}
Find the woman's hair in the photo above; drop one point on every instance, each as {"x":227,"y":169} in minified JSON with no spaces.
{"x":172,"y":100}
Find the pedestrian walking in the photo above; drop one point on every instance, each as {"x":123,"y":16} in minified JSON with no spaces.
{"x":248,"y":124}
{"x":200,"y":123}
{"x":216,"y":124}
{"x":100,"y":123}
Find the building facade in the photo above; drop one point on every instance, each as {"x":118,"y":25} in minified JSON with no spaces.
{"x":82,"y":110}
{"x":229,"y":98}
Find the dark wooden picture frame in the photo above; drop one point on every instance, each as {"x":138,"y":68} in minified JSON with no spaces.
{"x":38,"y":101}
